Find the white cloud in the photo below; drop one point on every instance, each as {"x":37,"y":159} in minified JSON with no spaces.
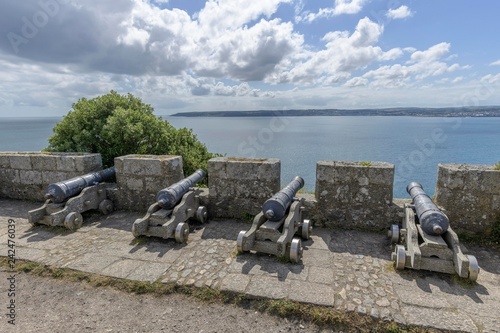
{"x":298,"y":7}
{"x":134,"y":36}
{"x":247,"y":53}
{"x":431,"y":54}
{"x":491,"y":79}
{"x":223,"y":15}
{"x":495,"y":63}
{"x":348,"y":6}
{"x":222,"y":41}
{"x":356,"y":82}
{"x":213,"y":59}
{"x":422,"y":65}
{"x":399,"y":13}
{"x":342,"y":55}
{"x":28,"y":84}
{"x":340,"y":7}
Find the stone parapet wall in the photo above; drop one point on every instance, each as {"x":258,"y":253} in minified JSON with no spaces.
{"x":140,"y":177}
{"x":354,"y":194}
{"x":238,"y":187}
{"x":26,"y":175}
{"x":470,"y":195}
{"x":348,"y":194}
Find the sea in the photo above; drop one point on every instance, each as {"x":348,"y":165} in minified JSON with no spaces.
{"x":415,"y":145}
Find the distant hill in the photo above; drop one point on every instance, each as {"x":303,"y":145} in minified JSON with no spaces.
{"x":475,"y":111}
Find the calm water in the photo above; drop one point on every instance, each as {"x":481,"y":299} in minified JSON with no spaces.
{"x":414,"y":145}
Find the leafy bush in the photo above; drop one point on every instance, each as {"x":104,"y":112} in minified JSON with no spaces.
{"x":116,"y":125}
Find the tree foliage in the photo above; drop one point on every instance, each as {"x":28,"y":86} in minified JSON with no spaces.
{"x":116,"y":125}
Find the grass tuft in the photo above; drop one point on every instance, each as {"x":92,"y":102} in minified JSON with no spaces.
{"x":247,"y":216}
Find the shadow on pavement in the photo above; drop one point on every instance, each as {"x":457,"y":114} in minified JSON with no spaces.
{"x":224,"y":229}
{"x":487,"y":258}
{"x":119,"y":220}
{"x":155,"y":245}
{"x":265,"y":263}
{"x":17,"y":210}
{"x":449,"y":284}
{"x":42,"y":233}
{"x":355,"y":242}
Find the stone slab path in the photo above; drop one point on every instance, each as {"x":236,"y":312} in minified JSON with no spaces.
{"x":346,"y":270}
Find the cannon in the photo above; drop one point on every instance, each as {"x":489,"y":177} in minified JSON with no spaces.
{"x":432,"y":220}
{"x":275,"y":208}
{"x":68,"y":199}
{"x":426,"y":241}
{"x":174,"y":206}
{"x":274,"y":228}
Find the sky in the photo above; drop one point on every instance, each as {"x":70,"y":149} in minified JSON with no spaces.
{"x":180,"y":55}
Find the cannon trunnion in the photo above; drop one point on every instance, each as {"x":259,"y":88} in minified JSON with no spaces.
{"x":274,"y":228}
{"x":422,"y":244}
{"x":67,"y":200}
{"x":175,"y":205}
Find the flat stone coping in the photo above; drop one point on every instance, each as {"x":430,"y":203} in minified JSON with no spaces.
{"x":342,"y":269}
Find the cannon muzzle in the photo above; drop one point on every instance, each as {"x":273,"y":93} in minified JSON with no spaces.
{"x":170,"y":196}
{"x":432,"y":220}
{"x":60,"y":191}
{"x":275,"y":208}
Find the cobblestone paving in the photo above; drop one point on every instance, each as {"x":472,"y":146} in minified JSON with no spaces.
{"x":347,"y":270}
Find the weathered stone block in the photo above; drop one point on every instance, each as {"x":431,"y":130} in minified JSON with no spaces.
{"x":65,"y":163}
{"x":4,"y":160}
{"x":87,"y":163}
{"x":490,"y":182}
{"x":12,"y":176}
{"x":30,"y":177}
{"x":20,"y":161}
{"x":469,"y":194}
{"x":23,"y":192}
{"x":141,"y":165}
{"x":134,"y":184}
{"x":238,"y":186}
{"x":81,"y":163}
{"x":148,"y":165}
{"x":3,"y":182}
{"x":49,"y":177}
{"x":44,"y":162}
{"x":495,"y":202}
{"x":140,"y":177}
{"x":354,"y":194}
{"x":155,"y":184}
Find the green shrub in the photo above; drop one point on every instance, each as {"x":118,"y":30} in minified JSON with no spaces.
{"x":116,"y":125}
{"x":496,"y":166}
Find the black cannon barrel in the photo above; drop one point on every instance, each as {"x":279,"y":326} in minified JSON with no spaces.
{"x":170,"y":196}
{"x":275,"y":208}
{"x":432,"y":220}
{"x":61,"y":191}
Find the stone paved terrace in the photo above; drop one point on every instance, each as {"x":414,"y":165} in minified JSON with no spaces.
{"x":347,"y":270}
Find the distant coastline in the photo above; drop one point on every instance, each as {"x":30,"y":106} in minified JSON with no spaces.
{"x":475,"y":111}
